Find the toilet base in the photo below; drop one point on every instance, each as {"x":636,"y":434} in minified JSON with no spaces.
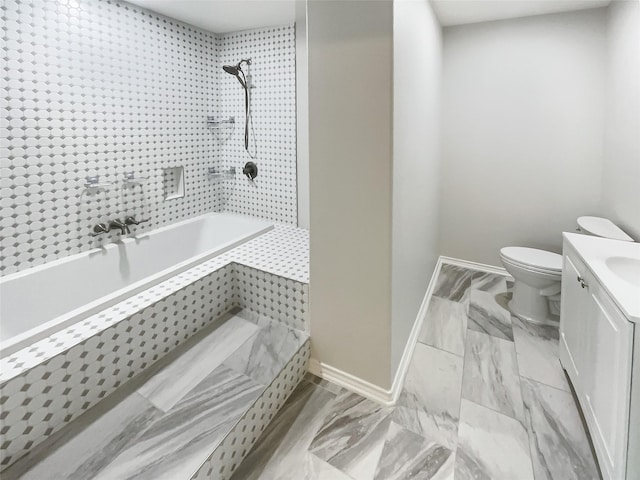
{"x":527,"y":304}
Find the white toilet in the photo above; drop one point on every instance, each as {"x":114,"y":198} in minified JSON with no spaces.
{"x":537,"y":273}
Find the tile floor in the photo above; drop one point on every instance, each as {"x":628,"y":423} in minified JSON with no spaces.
{"x":485,"y":397}
{"x":164,"y":423}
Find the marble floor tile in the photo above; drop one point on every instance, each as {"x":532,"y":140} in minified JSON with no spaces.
{"x":88,"y":444}
{"x":453,"y":283}
{"x":488,"y":316}
{"x":445,"y":325}
{"x":177,"y":443}
{"x":429,"y":403}
{"x":491,"y":446}
{"x":559,"y":445}
{"x":489,"y":282}
{"x":282,"y":451}
{"x":490,"y":375}
{"x":352,"y":435}
{"x":409,"y":456}
{"x":167,"y":387}
{"x":537,"y":352}
{"x":263,"y":355}
{"x":332,"y":387}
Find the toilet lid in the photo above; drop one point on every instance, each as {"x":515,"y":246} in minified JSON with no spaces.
{"x":539,"y":259}
{"x":603,"y":227}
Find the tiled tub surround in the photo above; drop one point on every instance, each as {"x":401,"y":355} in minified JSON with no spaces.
{"x":46,"y":386}
{"x":89,"y":282}
{"x":102,"y":87}
{"x":475,"y":405}
{"x":170,"y":421}
{"x":273,"y":194}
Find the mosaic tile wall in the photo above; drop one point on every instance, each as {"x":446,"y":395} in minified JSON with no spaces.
{"x":101,"y":87}
{"x":272,"y":136}
{"x":38,"y":401}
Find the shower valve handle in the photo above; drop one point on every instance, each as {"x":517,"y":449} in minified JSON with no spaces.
{"x":250,"y":170}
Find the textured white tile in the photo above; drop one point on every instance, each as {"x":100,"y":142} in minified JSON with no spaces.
{"x":71,"y":113}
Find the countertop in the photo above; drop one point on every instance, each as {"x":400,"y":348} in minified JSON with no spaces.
{"x":594,"y":252}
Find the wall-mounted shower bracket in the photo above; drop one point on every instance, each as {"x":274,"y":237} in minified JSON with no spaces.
{"x":131,"y":179}
{"x":95,"y":183}
{"x":228,"y":174}
{"x":213,"y":123}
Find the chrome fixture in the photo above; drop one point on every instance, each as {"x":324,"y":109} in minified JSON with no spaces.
{"x":250,"y":170}
{"x":213,"y":123}
{"x":236,"y":71}
{"x":94,"y":182}
{"x":99,"y":229}
{"x":228,"y":174}
{"x":117,"y":223}
{"x":131,"y":179}
{"x":130,"y":220}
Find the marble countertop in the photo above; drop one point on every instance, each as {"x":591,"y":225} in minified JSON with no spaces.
{"x":597,"y":253}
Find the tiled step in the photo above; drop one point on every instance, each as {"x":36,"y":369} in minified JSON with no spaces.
{"x":194,"y":415}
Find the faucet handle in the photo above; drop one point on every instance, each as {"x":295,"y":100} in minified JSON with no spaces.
{"x":99,"y":229}
{"x":130,"y":220}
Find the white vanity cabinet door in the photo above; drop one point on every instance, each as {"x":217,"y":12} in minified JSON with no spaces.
{"x":606,"y":380}
{"x":573,"y":318}
{"x":596,"y":350}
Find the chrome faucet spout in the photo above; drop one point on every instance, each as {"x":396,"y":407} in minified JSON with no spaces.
{"x":117,"y":223}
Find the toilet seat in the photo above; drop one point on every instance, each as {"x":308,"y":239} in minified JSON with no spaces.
{"x":533,"y":259}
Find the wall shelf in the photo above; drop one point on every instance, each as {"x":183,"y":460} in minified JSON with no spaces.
{"x":229,"y":174}
{"x":220,"y":124}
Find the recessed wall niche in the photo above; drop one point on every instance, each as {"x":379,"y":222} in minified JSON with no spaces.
{"x":173,"y":182}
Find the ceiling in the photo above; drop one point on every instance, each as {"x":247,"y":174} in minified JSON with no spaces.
{"x":221,"y":16}
{"x":459,"y":12}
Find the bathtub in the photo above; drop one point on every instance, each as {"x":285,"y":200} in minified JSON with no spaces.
{"x":41,"y":300}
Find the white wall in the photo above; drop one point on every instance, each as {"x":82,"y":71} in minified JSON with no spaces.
{"x":417,"y":62}
{"x":522,"y":131}
{"x":350,"y":160}
{"x":302,"y":113}
{"x":621,"y":173}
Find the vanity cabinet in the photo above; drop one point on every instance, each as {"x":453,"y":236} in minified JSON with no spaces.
{"x":596,"y":350}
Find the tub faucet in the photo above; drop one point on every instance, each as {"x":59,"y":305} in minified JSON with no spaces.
{"x":131,"y":220}
{"x":117,"y":223}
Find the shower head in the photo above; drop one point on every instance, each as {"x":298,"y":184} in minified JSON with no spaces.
{"x":232,"y":69}
{"x":236,"y":71}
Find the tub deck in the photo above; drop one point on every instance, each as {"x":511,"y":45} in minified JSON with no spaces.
{"x":172,"y":422}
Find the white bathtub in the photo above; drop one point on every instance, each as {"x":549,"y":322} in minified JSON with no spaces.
{"x":39,"y":301}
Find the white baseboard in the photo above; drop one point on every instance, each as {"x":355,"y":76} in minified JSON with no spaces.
{"x":351,"y":382}
{"x":483,"y":267}
{"x":405,"y":361}
{"x":374,"y":392}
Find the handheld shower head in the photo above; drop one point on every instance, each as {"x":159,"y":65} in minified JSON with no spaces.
{"x":236,"y":71}
{"x":231,"y":69}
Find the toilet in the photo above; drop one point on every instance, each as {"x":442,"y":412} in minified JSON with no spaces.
{"x":537,"y":273}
